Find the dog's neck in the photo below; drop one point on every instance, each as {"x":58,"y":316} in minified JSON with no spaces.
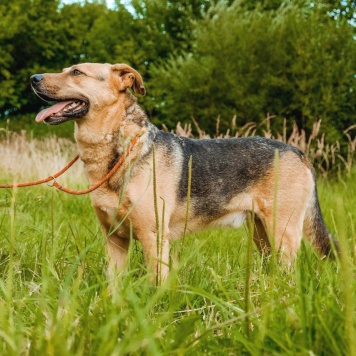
{"x":124,"y":118}
{"x":102,"y":142}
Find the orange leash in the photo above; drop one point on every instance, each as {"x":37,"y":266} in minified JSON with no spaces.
{"x":41,"y":181}
{"x":64,"y":169}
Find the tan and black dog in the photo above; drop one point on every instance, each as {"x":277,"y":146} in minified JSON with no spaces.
{"x":230,"y":178}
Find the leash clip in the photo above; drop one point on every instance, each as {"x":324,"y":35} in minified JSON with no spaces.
{"x":54,"y":181}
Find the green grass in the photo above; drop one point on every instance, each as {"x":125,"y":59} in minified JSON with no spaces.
{"x":55,"y":299}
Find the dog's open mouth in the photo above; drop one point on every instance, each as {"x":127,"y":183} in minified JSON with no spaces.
{"x":63,"y":111}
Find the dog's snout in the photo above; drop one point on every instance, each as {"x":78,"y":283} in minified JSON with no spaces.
{"x":36,"y":78}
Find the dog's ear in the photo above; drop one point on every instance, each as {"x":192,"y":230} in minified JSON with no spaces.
{"x":129,"y":78}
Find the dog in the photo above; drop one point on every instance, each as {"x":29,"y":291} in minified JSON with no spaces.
{"x":170,"y":185}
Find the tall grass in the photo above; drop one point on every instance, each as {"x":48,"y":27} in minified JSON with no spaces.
{"x":25,"y":158}
{"x":327,"y":157}
{"x":221,"y":298}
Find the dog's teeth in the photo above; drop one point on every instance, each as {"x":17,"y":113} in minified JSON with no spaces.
{"x":75,"y":105}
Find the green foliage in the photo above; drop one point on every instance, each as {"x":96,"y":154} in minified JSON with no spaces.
{"x":49,"y":36}
{"x":169,"y":23}
{"x":293,"y":62}
{"x":198,"y":58}
{"x":55,"y":297}
{"x":24,"y":45}
{"x":26,"y":123}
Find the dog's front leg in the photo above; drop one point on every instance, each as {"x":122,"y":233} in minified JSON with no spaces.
{"x":156,"y":251}
{"x":116,"y":250}
{"x":117,"y":247}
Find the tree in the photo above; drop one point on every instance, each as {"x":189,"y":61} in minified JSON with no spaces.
{"x":201,"y":58}
{"x":44,"y":38}
{"x":169,"y":23}
{"x":23,"y":40}
{"x":293,"y":62}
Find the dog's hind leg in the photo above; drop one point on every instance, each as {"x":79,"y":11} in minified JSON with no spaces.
{"x":281,"y":200}
{"x":285,"y":238}
{"x":285,"y":231}
{"x":280,"y":230}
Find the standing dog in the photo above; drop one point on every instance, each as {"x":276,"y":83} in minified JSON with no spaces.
{"x":229,"y":179}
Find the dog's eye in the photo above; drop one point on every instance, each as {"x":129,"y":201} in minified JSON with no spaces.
{"x":76,"y":72}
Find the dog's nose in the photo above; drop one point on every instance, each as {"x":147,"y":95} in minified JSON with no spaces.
{"x":36,"y":78}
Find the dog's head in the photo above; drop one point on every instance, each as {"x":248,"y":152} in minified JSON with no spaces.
{"x":83,"y":89}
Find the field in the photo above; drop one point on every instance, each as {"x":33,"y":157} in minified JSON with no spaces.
{"x":222,"y":297}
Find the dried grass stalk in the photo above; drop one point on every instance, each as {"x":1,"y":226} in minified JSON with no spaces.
{"x":31,"y":159}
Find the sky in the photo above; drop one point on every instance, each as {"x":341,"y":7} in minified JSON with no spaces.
{"x":110,"y":3}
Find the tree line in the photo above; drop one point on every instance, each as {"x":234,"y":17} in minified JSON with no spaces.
{"x":199,"y":58}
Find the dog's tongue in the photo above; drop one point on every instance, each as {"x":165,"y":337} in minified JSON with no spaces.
{"x":42,"y":115}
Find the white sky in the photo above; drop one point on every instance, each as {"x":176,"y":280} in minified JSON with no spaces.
{"x":110,"y":3}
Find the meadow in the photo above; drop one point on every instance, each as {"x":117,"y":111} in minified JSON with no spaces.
{"x":222,"y":297}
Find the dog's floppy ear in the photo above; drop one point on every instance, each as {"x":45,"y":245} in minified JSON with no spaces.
{"x":129,"y":78}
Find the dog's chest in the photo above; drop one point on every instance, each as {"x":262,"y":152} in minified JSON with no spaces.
{"x":99,"y":160}
{"x":112,"y":215}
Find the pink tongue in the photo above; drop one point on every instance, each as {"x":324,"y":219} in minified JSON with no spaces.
{"x":42,"y":115}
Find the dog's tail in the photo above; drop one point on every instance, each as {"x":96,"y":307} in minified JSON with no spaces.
{"x":315,"y":229}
